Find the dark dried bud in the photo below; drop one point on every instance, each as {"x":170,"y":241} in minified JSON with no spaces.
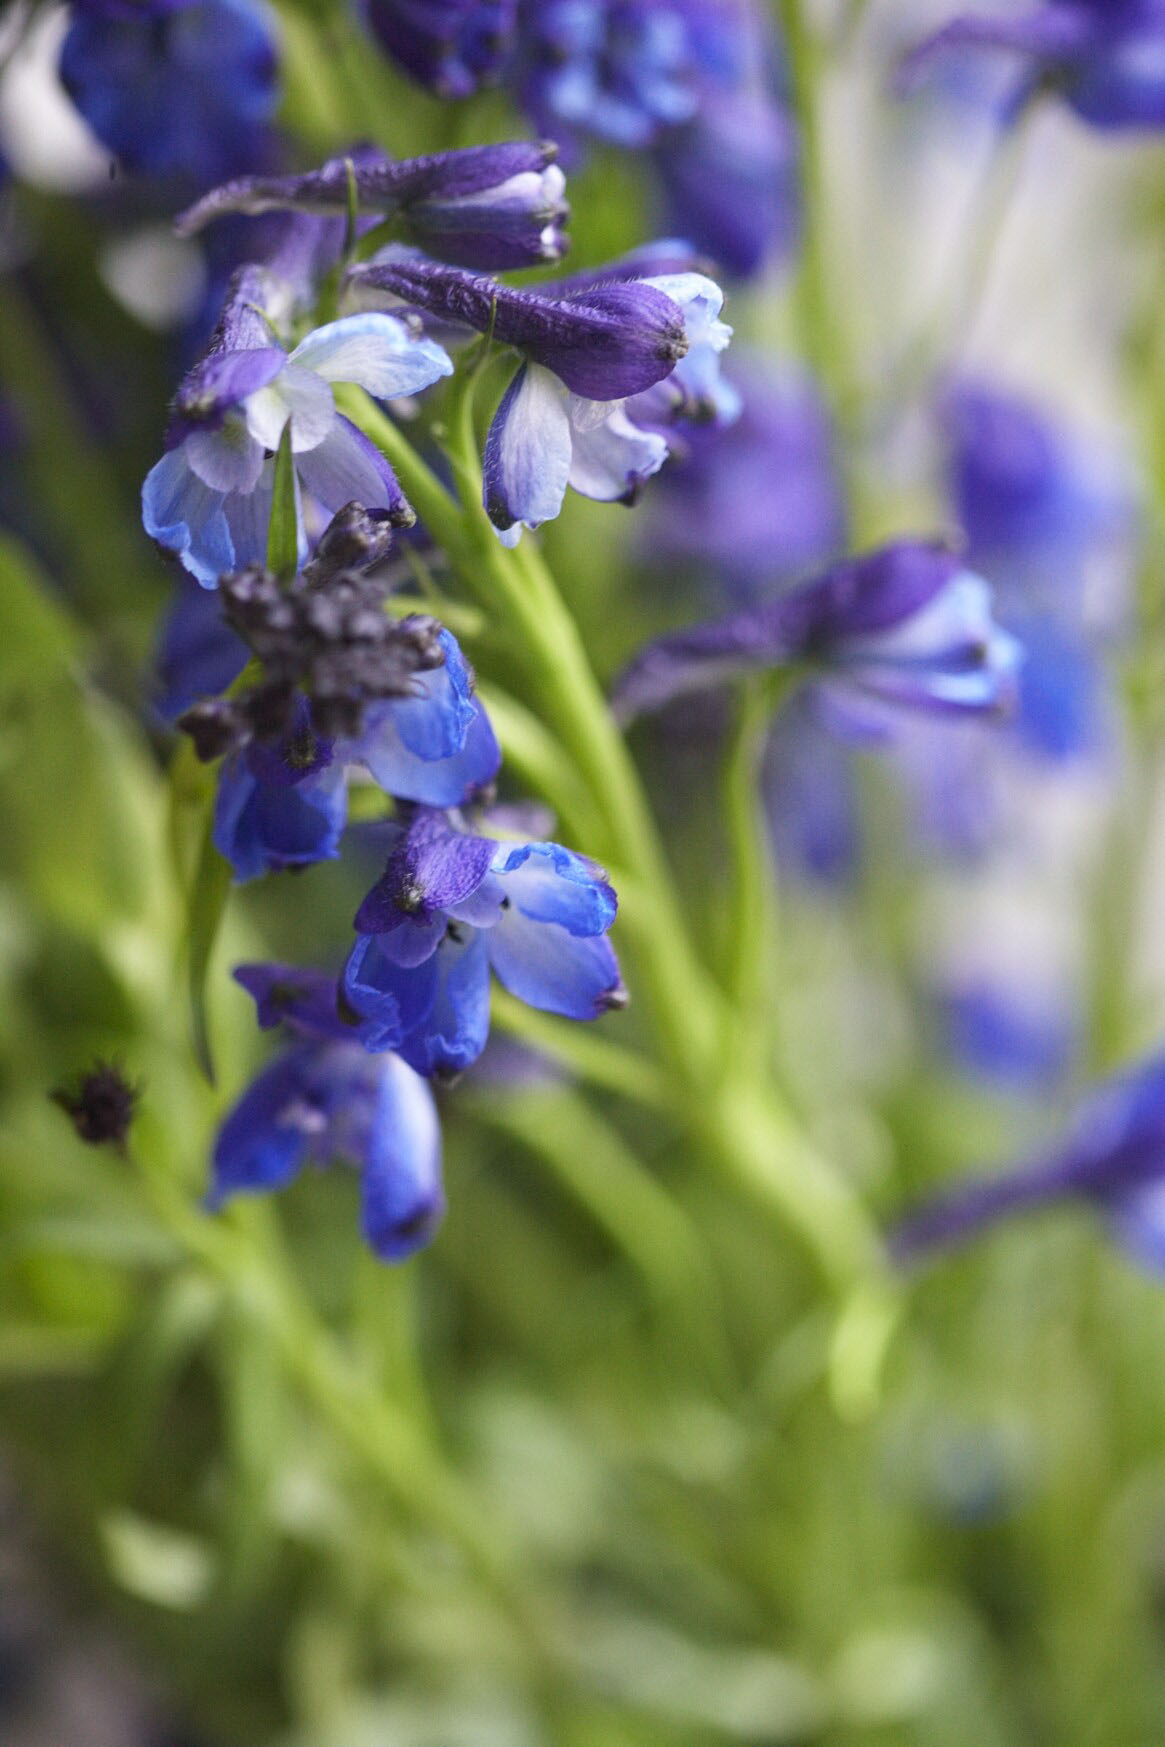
{"x":354,"y":539}
{"x":100,"y":1106}
{"x":216,"y":726}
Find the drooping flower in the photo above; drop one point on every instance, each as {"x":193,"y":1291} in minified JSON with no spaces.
{"x":327,"y":1099}
{"x":1105,"y":58}
{"x":208,"y":499}
{"x":450,"y":46}
{"x":1112,"y":1158}
{"x":906,"y":626}
{"x":587,"y":352}
{"x":283,"y":801}
{"x":485,"y":206}
{"x":450,"y":907}
{"x":175,"y":86}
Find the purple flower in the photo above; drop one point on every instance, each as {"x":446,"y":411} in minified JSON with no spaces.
{"x":208,"y":499}
{"x":590,"y":352}
{"x":450,"y":46}
{"x":323,"y":1101}
{"x":903,"y":627}
{"x":1113,"y":1157}
{"x":486,"y":206}
{"x":174,"y":86}
{"x":1106,"y":58}
{"x":452,"y":905}
{"x":285,"y":803}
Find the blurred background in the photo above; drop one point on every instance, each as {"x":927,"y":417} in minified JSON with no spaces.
{"x":606,"y":1496}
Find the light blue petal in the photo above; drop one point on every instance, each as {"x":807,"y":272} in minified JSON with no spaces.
{"x":377,"y":352}
{"x":401,"y":1194}
{"x":527,"y":451}
{"x":550,"y":969}
{"x":611,"y":459}
{"x":347,"y":468}
{"x":186,"y":517}
{"x":550,"y":884}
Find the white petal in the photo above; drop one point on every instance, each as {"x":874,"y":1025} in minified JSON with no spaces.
{"x":529,"y":447}
{"x":228,"y":459}
{"x":375,"y":351}
{"x":298,"y":395}
{"x":611,"y":459}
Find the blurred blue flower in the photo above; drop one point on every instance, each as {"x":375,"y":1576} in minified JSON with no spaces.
{"x":175,"y":86}
{"x":450,"y":46}
{"x":1113,"y":1158}
{"x":1106,"y":58}
{"x":590,"y":349}
{"x":452,"y":905}
{"x":323,"y":1101}
{"x":209,"y":498}
{"x":904,"y":627}
{"x":284,"y":803}
{"x":197,"y":655}
{"x":483,"y":206}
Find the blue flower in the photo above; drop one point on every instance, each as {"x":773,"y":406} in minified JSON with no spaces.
{"x":905,"y":627}
{"x":450,"y":46}
{"x":209,"y":498}
{"x":1106,"y":58}
{"x":174,"y":86}
{"x":449,"y":907}
{"x":285,"y":804}
{"x":590,"y":350}
{"x":1112,"y":1158}
{"x":325,"y":1100}
{"x":485,"y":206}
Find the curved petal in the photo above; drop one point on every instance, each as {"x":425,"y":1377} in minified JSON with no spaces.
{"x":377,"y":352}
{"x":228,"y":459}
{"x":402,"y":1200}
{"x":549,"y":968}
{"x":261,"y":827}
{"x":434,"y":722}
{"x":347,"y":468}
{"x":391,"y":1000}
{"x":547,"y":883}
{"x":434,"y":782}
{"x":528,"y":451}
{"x":186,"y":516}
{"x":454,"y":1032}
{"x":610,"y":460}
{"x":296,"y":394}
{"x":266,"y":1137}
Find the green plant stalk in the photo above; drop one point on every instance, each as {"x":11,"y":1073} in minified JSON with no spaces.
{"x":741,"y":1122}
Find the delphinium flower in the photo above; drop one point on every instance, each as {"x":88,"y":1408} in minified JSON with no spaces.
{"x":694,"y":82}
{"x":1105,"y":58}
{"x":1113,"y":1158}
{"x":904,"y":628}
{"x":451,"y":906}
{"x":326,"y":1099}
{"x":209,"y":498}
{"x":450,"y":46}
{"x":585,"y":351}
{"x":175,"y":87}
{"x":340,"y":685}
{"x":484,"y":206}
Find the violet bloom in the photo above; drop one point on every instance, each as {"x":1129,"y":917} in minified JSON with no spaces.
{"x":450,"y":907}
{"x":327,"y":1099}
{"x":905,"y":627}
{"x":449,"y":46}
{"x":1113,"y":1157}
{"x":209,"y":498}
{"x":174,"y":86}
{"x":586,"y":352}
{"x":1106,"y":58}
{"x":284,"y":803}
{"x":485,"y":206}
{"x":694,"y":83}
